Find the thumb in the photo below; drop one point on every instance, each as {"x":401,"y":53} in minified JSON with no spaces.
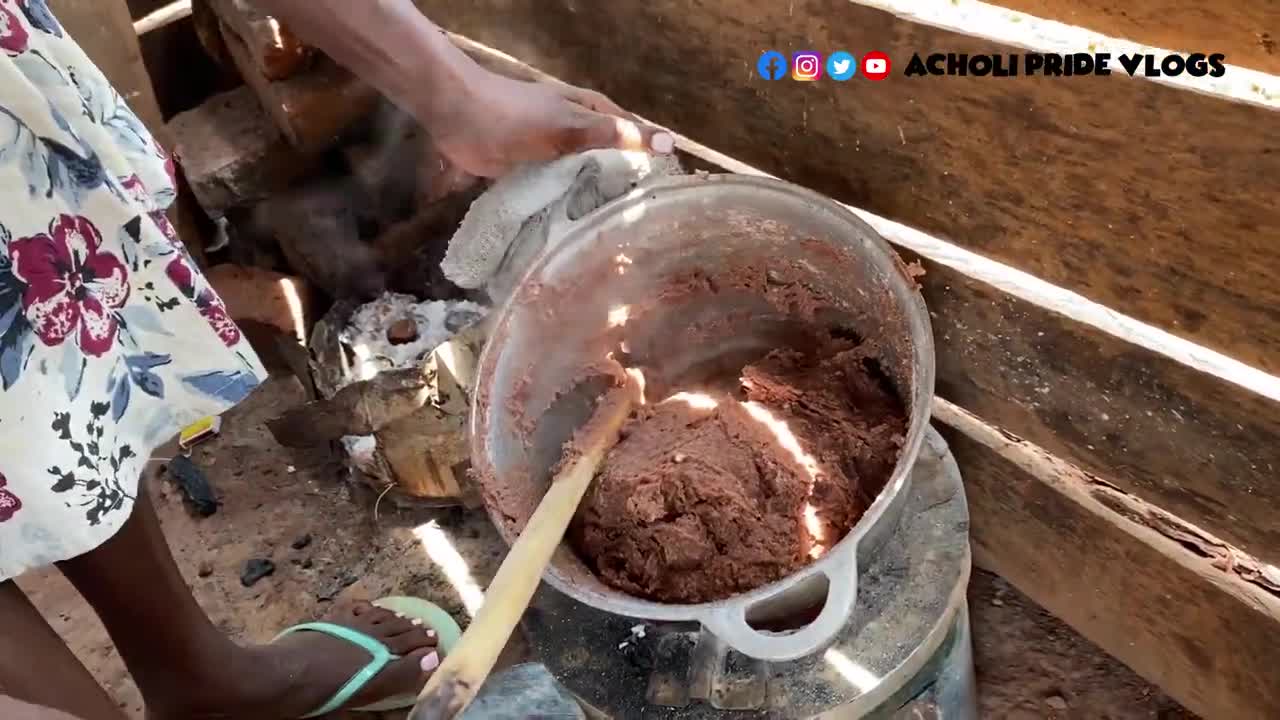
{"x":596,"y":131}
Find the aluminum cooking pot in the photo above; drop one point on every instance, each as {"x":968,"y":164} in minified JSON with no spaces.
{"x":551,"y":326}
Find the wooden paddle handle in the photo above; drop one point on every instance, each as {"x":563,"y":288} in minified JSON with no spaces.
{"x":456,"y":682}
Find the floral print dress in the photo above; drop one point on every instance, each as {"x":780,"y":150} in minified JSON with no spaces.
{"x":111,"y":340}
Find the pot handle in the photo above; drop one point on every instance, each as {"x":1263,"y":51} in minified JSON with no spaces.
{"x":729,"y":622}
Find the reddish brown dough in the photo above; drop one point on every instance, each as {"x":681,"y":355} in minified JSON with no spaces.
{"x":698,"y":504}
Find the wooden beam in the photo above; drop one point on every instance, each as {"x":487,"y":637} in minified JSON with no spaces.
{"x":162,"y":17}
{"x":1247,"y":31}
{"x":1191,"y":441}
{"x":1089,"y":554}
{"x":1141,"y":195}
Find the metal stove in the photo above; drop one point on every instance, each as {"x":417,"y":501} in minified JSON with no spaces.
{"x":904,"y":653}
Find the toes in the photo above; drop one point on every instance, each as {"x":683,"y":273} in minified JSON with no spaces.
{"x":428,"y":661}
{"x":360,"y":608}
{"x":405,"y":675}
{"x":394,"y":626}
{"x":381,"y":616}
{"x":380,"y":622}
{"x":425,"y":661}
{"x":407,"y":642}
{"x":378,"y":615}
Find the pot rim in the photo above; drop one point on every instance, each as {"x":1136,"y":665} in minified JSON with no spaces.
{"x":921,"y":394}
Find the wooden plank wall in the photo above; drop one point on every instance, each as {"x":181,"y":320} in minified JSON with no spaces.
{"x":1209,"y":638}
{"x":1182,"y":607}
{"x":1069,"y":419}
{"x":1192,"y":441}
{"x":1152,"y":200}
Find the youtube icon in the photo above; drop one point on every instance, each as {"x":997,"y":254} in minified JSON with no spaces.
{"x":875,"y":66}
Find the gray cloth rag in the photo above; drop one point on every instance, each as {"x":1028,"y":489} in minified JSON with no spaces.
{"x":529,"y":210}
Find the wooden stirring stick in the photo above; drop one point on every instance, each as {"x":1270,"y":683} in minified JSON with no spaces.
{"x":456,"y":682}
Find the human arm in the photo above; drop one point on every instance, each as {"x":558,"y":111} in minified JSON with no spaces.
{"x":13,"y":709}
{"x":482,"y":122}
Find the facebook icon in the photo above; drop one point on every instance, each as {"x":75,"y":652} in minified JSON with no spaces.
{"x":772,"y":65}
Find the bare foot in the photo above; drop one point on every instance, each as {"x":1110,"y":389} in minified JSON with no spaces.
{"x":300,"y":672}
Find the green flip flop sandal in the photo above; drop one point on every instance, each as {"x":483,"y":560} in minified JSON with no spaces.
{"x":447,"y":635}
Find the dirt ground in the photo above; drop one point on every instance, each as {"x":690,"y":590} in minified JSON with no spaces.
{"x":1029,"y":665}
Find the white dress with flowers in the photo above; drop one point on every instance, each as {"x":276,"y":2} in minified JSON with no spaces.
{"x":110,"y":338}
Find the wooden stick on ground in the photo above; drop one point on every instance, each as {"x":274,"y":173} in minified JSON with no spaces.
{"x":464,"y":670}
{"x":165,"y":15}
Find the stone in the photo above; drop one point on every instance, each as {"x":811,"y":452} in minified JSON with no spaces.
{"x":231,"y":152}
{"x":311,"y":109}
{"x":275,"y":51}
{"x":266,"y":297}
{"x":197,"y":493}
{"x":404,"y":330}
{"x":523,"y":691}
{"x":1056,"y":702}
{"x":256,"y":569}
{"x":301,"y":542}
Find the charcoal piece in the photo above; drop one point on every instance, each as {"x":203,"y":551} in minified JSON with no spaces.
{"x":194,"y":484}
{"x":256,"y":569}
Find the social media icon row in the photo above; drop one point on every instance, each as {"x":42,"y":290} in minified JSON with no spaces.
{"x":807,"y":66}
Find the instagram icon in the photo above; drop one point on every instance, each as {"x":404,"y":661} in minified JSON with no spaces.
{"x":806,"y":66}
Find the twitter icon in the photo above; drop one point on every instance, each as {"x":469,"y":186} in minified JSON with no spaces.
{"x":841,"y":65}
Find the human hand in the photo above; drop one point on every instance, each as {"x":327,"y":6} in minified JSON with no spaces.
{"x":496,"y":123}
{"x":483,"y":124}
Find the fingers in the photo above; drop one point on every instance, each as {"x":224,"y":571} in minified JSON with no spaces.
{"x":600,"y":103}
{"x":595,"y":101}
{"x":595,"y":131}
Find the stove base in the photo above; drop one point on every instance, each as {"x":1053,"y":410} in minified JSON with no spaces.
{"x":904,"y":654}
